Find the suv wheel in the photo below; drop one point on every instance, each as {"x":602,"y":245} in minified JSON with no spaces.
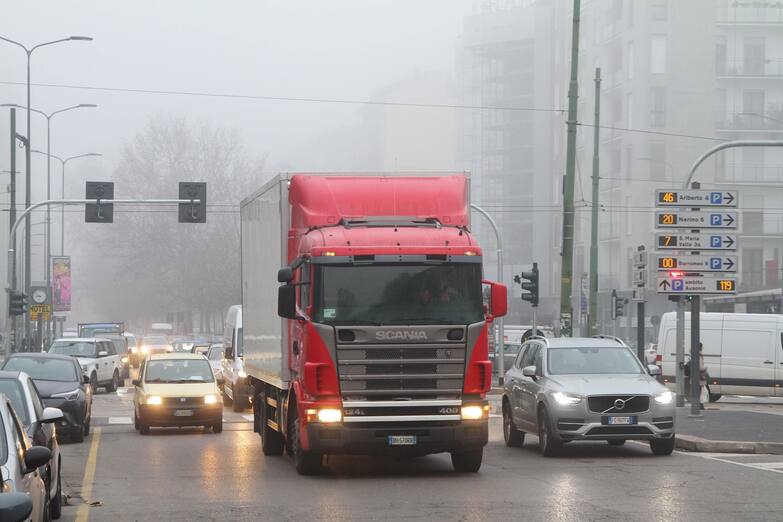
{"x":547,"y":443}
{"x":662,"y":446}
{"x":114,"y":384}
{"x":513,"y":437}
{"x":94,"y":381}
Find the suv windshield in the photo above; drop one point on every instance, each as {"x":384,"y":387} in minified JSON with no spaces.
{"x":399,"y":294}
{"x":74,"y":348}
{"x":40,"y":368}
{"x":99,"y":330}
{"x":178,"y":370}
{"x":593,"y":360}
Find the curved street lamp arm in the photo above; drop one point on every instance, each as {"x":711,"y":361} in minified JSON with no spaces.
{"x":728,"y":145}
{"x":15,"y":43}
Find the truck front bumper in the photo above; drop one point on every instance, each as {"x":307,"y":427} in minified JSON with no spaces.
{"x":341,"y":439}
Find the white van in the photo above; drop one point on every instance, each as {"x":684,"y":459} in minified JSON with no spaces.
{"x":743,"y":353}
{"x":236,"y":391}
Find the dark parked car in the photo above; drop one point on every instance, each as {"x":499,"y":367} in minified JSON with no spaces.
{"x":61,"y":385}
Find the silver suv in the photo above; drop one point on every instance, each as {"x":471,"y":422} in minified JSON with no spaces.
{"x":573,"y":388}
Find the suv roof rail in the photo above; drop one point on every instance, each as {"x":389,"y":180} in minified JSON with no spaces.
{"x":612,"y":337}
{"x":538,"y":338}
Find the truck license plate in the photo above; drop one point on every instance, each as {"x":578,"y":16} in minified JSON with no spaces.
{"x":402,"y":440}
{"x":183,"y":413}
{"x":622,"y":420}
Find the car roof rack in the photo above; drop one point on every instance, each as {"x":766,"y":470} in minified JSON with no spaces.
{"x":612,"y":337}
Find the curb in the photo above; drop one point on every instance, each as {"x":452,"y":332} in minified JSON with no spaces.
{"x":699,"y":445}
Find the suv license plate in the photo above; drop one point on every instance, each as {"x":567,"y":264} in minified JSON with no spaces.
{"x":402,"y":440}
{"x":621,"y":420}
{"x":183,"y":413}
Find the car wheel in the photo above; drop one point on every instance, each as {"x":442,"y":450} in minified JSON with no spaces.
{"x":218,"y":426}
{"x":135,"y":421}
{"x":56,"y":505}
{"x":715,"y":397}
{"x":467,"y":462}
{"x":114,"y":384}
{"x":513,"y":437}
{"x":306,"y":462}
{"x":144,"y":429}
{"x":79,"y":432}
{"x":662,"y":446}
{"x":47,"y":512}
{"x":547,"y":443}
{"x":616,"y":442}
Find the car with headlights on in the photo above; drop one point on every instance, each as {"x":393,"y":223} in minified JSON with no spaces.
{"x":60,"y":383}
{"x":569,"y":389}
{"x":176,"y":389}
{"x":153,"y":344}
{"x":38,"y":423}
{"x":20,"y":463}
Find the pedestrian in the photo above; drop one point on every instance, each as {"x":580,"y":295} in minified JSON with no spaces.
{"x":703,"y":377}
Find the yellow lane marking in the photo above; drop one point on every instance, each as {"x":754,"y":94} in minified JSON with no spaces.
{"x":83,"y":514}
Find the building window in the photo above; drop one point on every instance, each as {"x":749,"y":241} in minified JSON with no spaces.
{"x":658,"y":160}
{"x":659,"y":10}
{"x":658,"y":107}
{"x":658,"y":54}
{"x":720,"y":56}
{"x":754,"y":55}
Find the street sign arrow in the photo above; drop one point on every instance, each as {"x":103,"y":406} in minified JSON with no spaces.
{"x":695,"y":241}
{"x":729,"y":198}
{"x":664,"y":283}
{"x":728,"y":264}
{"x":729,"y":220}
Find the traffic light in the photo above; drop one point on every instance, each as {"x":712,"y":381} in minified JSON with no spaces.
{"x":530,"y":285}
{"x":618,"y":305}
{"x":17,"y":303}
{"x":193,"y":212}
{"x":99,"y":212}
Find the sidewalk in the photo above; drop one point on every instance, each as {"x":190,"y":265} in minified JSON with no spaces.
{"x":732,"y":428}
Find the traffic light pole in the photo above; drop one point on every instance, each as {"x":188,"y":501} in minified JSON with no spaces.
{"x":11,"y":277}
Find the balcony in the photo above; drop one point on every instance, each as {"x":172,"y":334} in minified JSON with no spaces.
{"x":750,"y":68}
{"x":750,"y":14}
{"x":770,"y":121}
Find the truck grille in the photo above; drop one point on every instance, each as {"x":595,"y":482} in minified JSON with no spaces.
{"x":606,"y":403}
{"x":401,"y":371}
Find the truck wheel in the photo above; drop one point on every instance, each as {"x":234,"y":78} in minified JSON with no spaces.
{"x":468,"y":462}
{"x":271,"y":439}
{"x":662,"y":446}
{"x":306,"y":462}
{"x":547,"y":443}
{"x":513,"y":437}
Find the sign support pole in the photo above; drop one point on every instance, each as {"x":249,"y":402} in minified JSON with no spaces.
{"x":695,"y":359}
{"x":640,"y":332}
{"x":680,"y":352}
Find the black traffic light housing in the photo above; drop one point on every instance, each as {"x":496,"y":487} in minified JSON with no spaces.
{"x":17,"y":303}
{"x":530,"y":285}
{"x":193,"y":212}
{"x":99,"y":212}
{"x":618,"y":305}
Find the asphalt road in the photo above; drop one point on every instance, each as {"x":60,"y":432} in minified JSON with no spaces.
{"x":195,"y":475}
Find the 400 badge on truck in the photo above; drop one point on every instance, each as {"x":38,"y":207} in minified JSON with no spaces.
{"x":376,"y":342}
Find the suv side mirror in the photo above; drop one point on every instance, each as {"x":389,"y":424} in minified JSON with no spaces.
{"x":529,"y":371}
{"x":15,"y":507}
{"x":51,"y":415}
{"x":286,"y":301}
{"x":653,"y":370}
{"x":35,"y":457}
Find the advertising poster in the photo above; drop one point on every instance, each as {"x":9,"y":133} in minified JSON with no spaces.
{"x":61,"y":284}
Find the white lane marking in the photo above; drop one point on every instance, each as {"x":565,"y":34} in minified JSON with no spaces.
{"x":769,"y":465}
{"x":495,"y":416}
{"x":248,"y":418}
{"x":760,"y":466}
{"x":120,"y":420}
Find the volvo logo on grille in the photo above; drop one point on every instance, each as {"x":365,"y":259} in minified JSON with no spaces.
{"x":619,"y":404}
{"x":401,"y":335}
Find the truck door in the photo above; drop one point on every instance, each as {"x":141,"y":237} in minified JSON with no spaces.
{"x":779,"y":373}
{"x":298,"y":333}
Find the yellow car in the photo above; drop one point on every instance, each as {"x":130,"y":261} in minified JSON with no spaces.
{"x":176,"y":389}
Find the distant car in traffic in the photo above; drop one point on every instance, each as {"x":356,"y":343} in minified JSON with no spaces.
{"x":133,"y":349}
{"x":200,"y":348}
{"x":153,"y":344}
{"x":569,"y":389}
{"x":121,"y":347}
{"x":38,"y":422}
{"x":215,"y":357}
{"x":176,"y":389}
{"x":61,"y":384}
{"x":21,"y":461}
{"x":98,"y":358}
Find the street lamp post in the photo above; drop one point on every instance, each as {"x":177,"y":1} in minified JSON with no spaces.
{"x":29,"y":53}
{"x":48,"y":247}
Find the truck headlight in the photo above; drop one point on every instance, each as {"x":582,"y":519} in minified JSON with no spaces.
{"x":210,"y":399}
{"x":664,"y":397}
{"x":325,"y":415}
{"x":154,"y":400}
{"x":474,"y":412}
{"x":566,"y":399}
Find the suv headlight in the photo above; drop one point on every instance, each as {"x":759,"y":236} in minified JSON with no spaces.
{"x":68,"y":396}
{"x":566,"y":399}
{"x":664,"y":397}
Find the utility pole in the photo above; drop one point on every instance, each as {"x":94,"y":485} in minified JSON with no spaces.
{"x":11,"y":328}
{"x":592,"y":309}
{"x":567,"y":253}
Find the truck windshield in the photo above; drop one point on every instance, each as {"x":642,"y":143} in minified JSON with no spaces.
{"x":399,"y":294}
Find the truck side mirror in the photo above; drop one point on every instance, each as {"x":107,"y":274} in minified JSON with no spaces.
{"x":285,"y":275}
{"x":498,"y":299}
{"x":286,"y":301}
